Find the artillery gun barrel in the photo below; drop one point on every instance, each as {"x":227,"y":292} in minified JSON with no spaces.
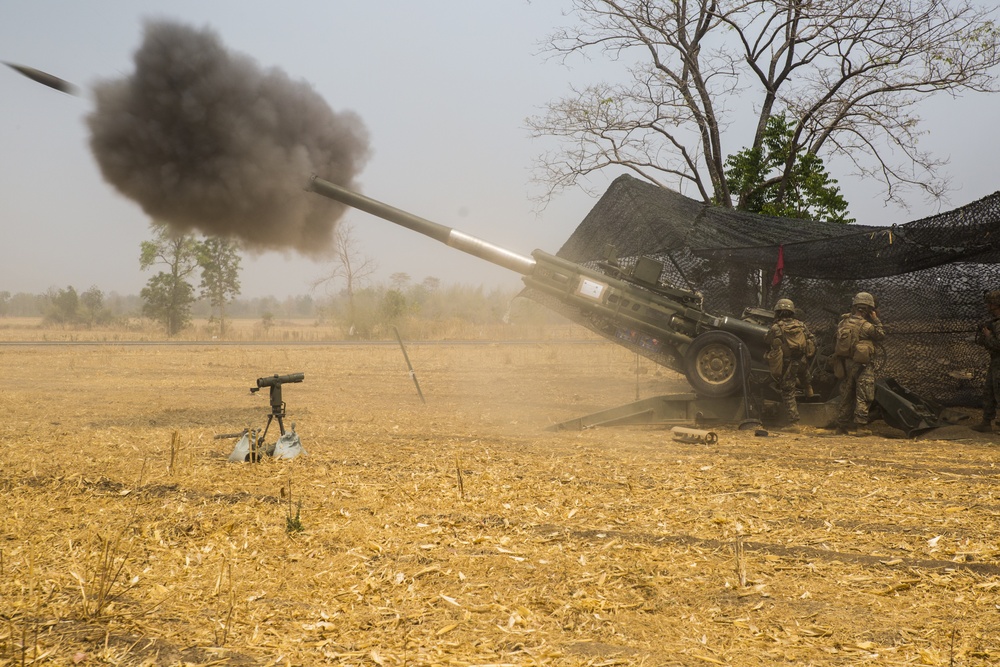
{"x":669,"y":326}
{"x":451,"y":237}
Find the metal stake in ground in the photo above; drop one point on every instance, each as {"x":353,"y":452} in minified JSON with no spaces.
{"x":409,"y":366}
{"x":749,"y":421}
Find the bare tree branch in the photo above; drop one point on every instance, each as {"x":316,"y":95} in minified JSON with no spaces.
{"x":350,"y":265}
{"x":847,"y":75}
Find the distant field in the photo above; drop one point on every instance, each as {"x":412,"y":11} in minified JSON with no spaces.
{"x":305,"y":330}
{"x":461,"y":532}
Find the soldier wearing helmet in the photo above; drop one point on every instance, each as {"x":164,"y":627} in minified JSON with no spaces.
{"x":988,"y":336}
{"x":854,"y":349}
{"x":784,"y":306}
{"x":792,"y":348}
{"x":864,"y":299}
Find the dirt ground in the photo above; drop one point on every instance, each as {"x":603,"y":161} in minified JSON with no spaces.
{"x":461,"y":532}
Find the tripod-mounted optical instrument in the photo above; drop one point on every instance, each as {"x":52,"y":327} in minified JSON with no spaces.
{"x":250,"y":446}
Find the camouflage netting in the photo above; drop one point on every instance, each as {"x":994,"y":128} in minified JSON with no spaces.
{"x":928,"y":275}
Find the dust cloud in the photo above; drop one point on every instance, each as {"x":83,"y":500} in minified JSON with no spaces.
{"x":205,"y":139}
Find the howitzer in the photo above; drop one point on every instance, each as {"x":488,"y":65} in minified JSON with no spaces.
{"x":624,"y":304}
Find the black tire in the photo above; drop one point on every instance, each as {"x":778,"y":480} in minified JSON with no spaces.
{"x":713,"y":365}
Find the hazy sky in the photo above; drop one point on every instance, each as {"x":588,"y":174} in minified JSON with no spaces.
{"x":443,"y":86}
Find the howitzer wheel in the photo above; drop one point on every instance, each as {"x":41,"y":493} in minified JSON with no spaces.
{"x":713,"y":364}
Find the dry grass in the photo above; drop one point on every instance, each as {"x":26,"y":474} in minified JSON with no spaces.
{"x":460,"y":532}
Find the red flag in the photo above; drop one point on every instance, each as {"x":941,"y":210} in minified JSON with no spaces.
{"x":779,"y":268}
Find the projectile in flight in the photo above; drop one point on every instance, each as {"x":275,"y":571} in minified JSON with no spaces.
{"x":45,"y":79}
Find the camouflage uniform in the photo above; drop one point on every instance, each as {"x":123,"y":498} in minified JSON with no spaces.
{"x":989,"y":337}
{"x":858,"y":385}
{"x":795,"y":365}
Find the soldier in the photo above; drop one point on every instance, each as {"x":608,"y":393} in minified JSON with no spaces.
{"x":854,"y":349}
{"x":988,"y":337}
{"x":792,"y":347}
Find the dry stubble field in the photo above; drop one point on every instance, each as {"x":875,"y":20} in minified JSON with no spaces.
{"x":460,"y":532}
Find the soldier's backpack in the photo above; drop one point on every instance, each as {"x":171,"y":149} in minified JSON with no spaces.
{"x":848,"y":343}
{"x":848,"y":335}
{"x":793,"y":332}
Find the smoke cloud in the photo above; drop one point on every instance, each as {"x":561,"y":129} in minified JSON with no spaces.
{"x":205,"y":139}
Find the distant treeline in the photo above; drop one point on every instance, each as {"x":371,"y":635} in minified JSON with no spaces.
{"x":56,"y":304}
{"x":367,"y":312}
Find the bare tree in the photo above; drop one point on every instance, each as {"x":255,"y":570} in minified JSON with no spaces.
{"x":845,"y":74}
{"x":399,"y":280}
{"x":350,"y":265}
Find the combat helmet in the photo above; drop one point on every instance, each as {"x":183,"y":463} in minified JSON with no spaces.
{"x":784,"y":304}
{"x":863,"y":299}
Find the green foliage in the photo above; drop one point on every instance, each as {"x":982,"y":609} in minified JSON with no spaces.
{"x":168,"y":301}
{"x":393,"y":306}
{"x":759,"y":178}
{"x":24,"y":304}
{"x":360,"y":313}
{"x":92,"y":310}
{"x":293,"y":524}
{"x":66,"y":307}
{"x":62,"y":306}
{"x":377,"y":308}
{"x":167,"y":296}
{"x":220,"y":275}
